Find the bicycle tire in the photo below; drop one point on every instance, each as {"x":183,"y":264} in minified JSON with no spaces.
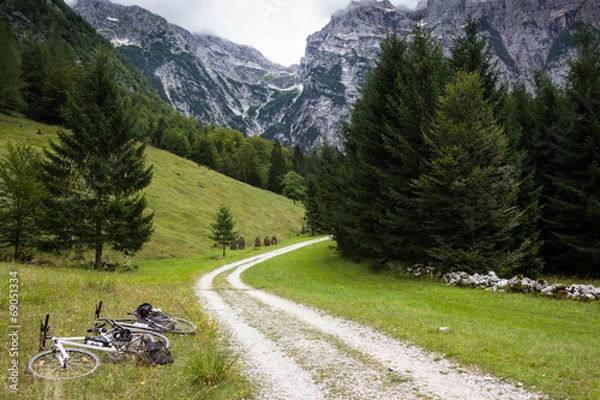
{"x":130,"y":323}
{"x":45,"y":365}
{"x":163,"y":324}
{"x":135,"y":344}
{"x":181,"y":326}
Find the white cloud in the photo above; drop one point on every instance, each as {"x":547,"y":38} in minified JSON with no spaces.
{"x":278,"y":28}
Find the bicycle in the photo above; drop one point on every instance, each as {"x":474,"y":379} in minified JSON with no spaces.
{"x":65,"y":363}
{"x":146,"y":317}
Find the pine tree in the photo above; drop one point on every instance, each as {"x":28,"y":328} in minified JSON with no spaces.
{"x":467,"y":194}
{"x":574,"y":206}
{"x":222,"y":230}
{"x":95,"y":173}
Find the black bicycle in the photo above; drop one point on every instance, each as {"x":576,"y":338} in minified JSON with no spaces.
{"x":147,"y":317}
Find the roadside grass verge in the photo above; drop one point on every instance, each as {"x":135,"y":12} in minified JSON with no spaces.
{"x":548,"y":345}
{"x":205,"y":367}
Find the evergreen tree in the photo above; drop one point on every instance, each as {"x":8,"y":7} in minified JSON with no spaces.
{"x":96,"y":172}
{"x":21,"y":194}
{"x":519,"y":124}
{"x":325,"y":190}
{"x":223,"y":228}
{"x":278,"y":168}
{"x":299,"y":160}
{"x":34,"y":66}
{"x":574,"y":206}
{"x":10,"y":71}
{"x":366,"y":156}
{"x":467,"y":194}
{"x":385,"y":148}
{"x":470,"y":52}
{"x":60,"y":77}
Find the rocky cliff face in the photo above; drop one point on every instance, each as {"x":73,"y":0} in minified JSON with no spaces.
{"x":218,"y":81}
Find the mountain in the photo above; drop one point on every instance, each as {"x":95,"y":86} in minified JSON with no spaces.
{"x":218,"y":81}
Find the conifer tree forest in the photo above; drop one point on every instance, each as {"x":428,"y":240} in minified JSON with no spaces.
{"x":444,"y":164}
{"x":441,"y":161}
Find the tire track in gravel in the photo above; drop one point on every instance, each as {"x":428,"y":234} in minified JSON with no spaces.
{"x":297,"y":352}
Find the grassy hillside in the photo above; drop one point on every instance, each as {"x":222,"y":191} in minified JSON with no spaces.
{"x":185,"y":197}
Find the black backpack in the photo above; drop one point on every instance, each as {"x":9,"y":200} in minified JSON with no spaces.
{"x":154,"y":353}
{"x":143,"y":310}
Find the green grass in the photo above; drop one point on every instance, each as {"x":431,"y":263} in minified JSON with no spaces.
{"x":204,"y":367}
{"x":551,"y":345}
{"x":185,"y":198}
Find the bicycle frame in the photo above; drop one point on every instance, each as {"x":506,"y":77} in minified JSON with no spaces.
{"x":79,"y":341}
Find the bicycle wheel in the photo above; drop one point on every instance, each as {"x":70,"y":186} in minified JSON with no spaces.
{"x":136,"y":343}
{"x":47,"y":365}
{"x":180,"y":326}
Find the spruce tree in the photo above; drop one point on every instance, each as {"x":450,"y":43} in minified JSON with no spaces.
{"x":222,"y":230}
{"x":325,"y":191}
{"x":96,"y":171}
{"x":418,"y":87}
{"x":468,"y":191}
{"x":574,"y":206}
{"x":385,"y":148}
{"x":359,"y":234}
{"x":471,"y":52}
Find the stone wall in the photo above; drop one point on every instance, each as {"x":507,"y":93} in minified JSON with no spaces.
{"x":516,"y":284}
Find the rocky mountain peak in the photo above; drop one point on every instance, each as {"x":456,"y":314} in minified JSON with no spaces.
{"x":218,"y":81}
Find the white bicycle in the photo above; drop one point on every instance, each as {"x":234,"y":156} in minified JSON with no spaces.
{"x":70,"y":357}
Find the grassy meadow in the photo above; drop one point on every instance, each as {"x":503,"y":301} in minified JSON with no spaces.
{"x":185,"y":198}
{"x":549,"y":345}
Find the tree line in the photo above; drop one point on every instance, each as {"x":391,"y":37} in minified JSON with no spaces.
{"x":36,"y":78}
{"x":443,"y":163}
{"x":83,"y":192}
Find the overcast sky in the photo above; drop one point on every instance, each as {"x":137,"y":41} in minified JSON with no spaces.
{"x":277,"y":28}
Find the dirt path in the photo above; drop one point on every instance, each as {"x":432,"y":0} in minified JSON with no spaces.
{"x":297,"y":352}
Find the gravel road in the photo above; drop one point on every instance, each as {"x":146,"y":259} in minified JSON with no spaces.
{"x":297,"y":352}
